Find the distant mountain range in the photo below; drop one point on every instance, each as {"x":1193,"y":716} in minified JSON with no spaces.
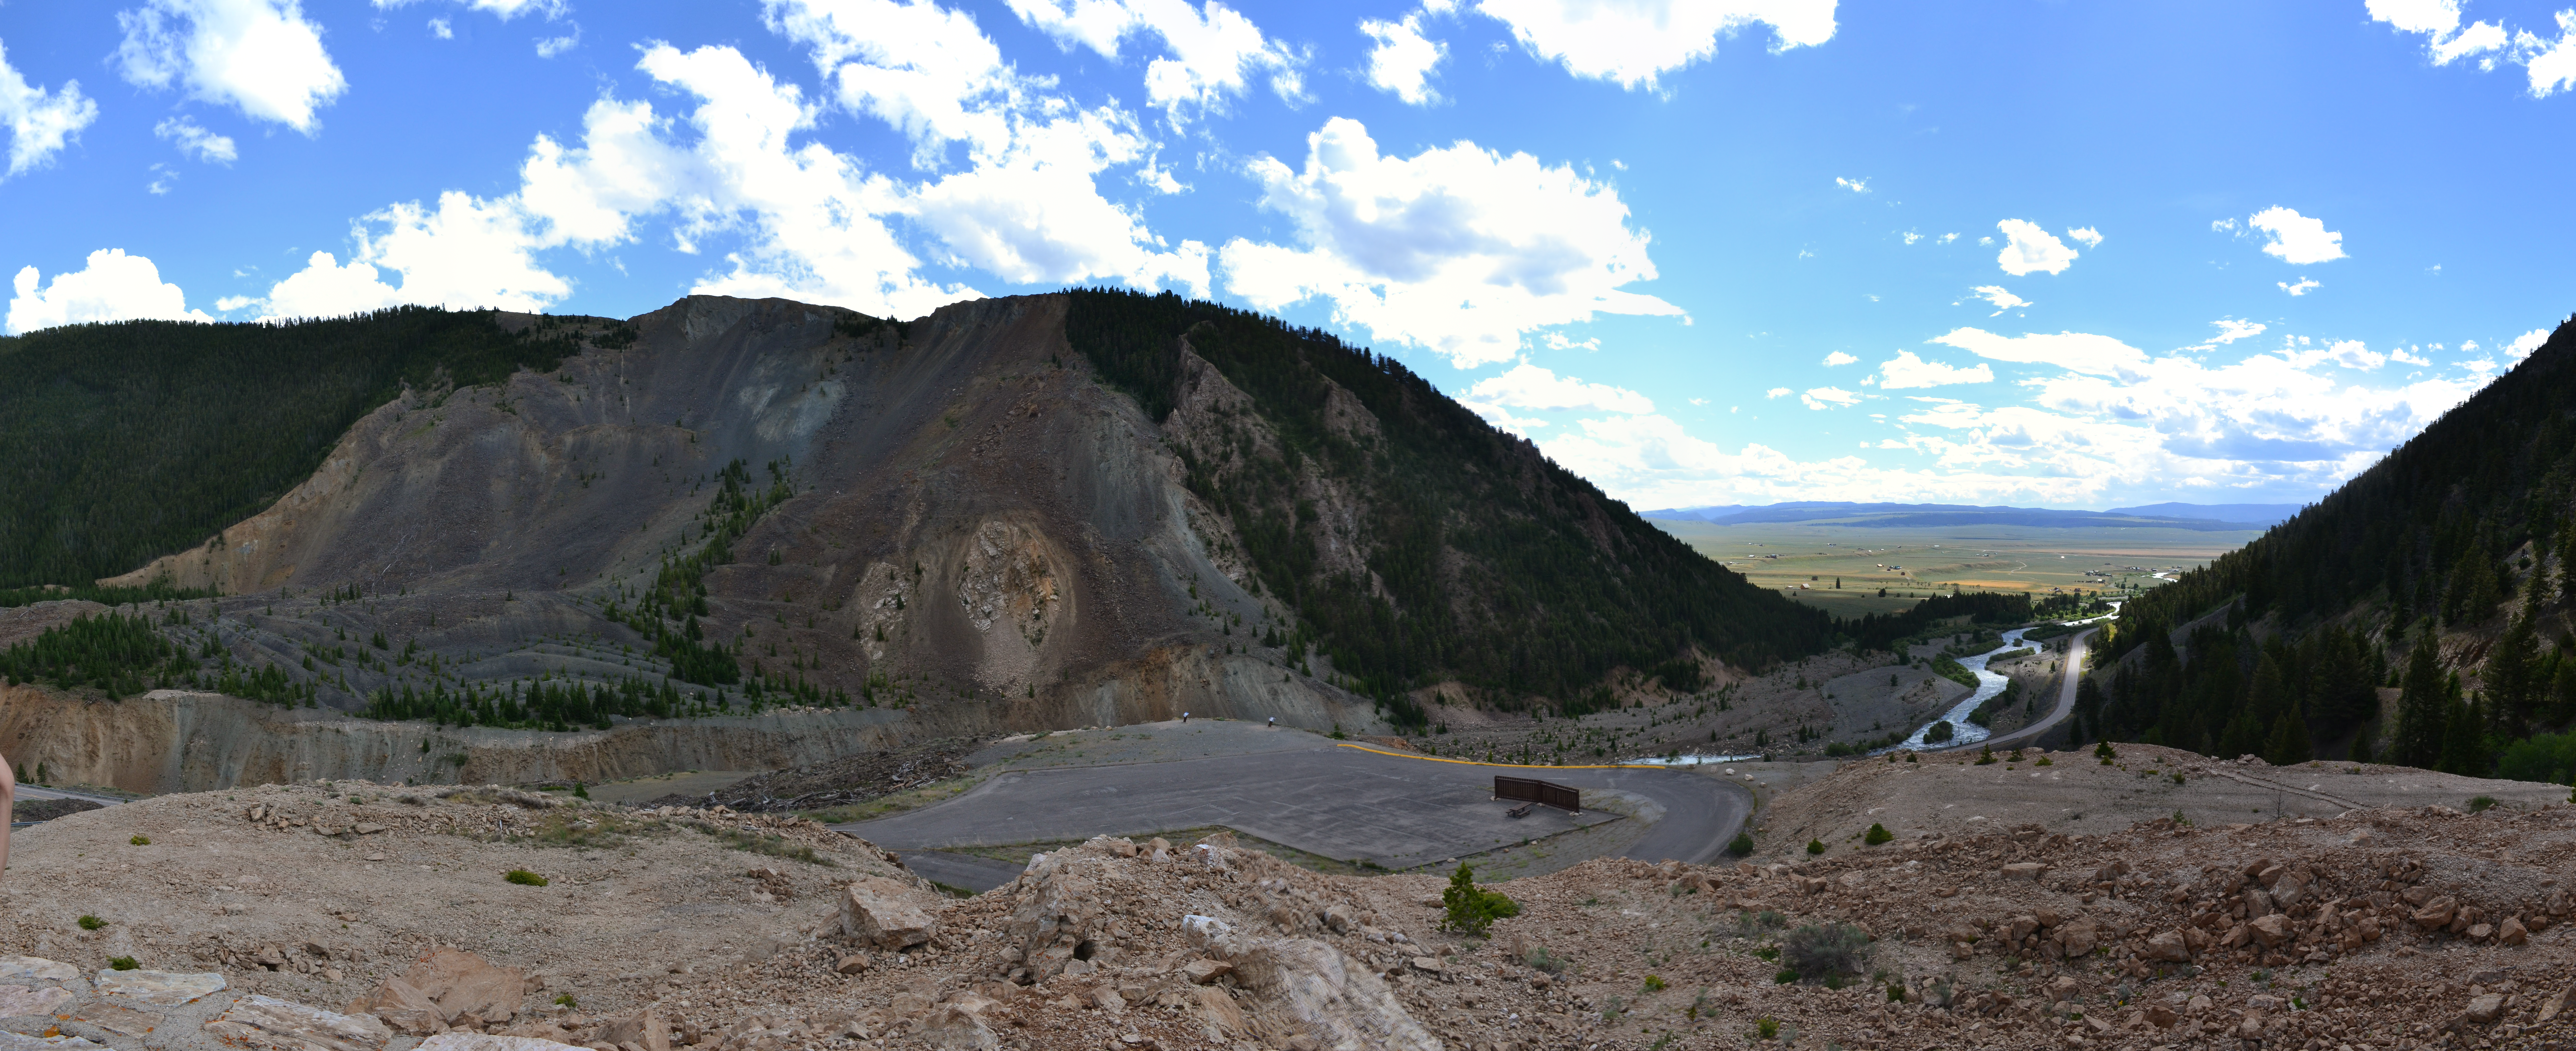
{"x":2204,"y":517}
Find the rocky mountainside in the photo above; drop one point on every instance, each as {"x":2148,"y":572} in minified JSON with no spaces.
{"x":1075,"y":509}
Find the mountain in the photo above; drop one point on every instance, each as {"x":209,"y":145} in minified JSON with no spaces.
{"x":1081,"y":508}
{"x":1892,"y":516}
{"x":2444,"y":570}
{"x":2256,"y":515}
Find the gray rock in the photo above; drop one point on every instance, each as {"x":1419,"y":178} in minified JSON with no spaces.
{"x":18,"y":1001}
{"x":21,"y":1042}
{"x":24,"y":968}
{"x":272,"y":1024}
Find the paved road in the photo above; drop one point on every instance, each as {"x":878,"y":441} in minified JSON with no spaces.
{"x":35,"y":792}
{"x":2074,"y":665}
{"x":1338,"y":802}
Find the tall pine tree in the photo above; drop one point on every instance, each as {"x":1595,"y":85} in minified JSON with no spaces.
{"x":2421,"y":714}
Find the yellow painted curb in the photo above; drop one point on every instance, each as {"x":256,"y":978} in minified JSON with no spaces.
{"x":1510,"y":766}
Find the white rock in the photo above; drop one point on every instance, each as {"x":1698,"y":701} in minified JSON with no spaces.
{"x":160,"y":988}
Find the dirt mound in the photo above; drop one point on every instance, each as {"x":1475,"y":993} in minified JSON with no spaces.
{"x":2075,"y":792}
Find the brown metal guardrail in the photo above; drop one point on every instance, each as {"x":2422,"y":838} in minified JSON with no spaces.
{"x":1562,"y":797}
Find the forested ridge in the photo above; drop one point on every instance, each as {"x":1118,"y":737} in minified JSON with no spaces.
{"x":124,"y":442}
{"x":2457,"y":543}
{"x":1559,"y":584}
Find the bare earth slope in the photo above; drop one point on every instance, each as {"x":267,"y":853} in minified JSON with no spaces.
{"x":979,"y":535}
{"x":2380,"y":928}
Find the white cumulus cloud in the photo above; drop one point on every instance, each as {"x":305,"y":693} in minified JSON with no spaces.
{"x":2231,"y":329}
{"x":1208,"y":50}
{"x":1907,"y":372}
{"x":2296,"y":238}
{"x":2524,"y":344}
{"x":1778,"y":392}
{"x":1458,"y":249}
{"x":2028,"y":249}
{"x":1633,"y":42}
{"x":2086,"y":235}
{"x":2079,"y":351}
{"x":2302,"y":288}
{"x":507,"y":9}
{"x":1857,"y":186}
{"x":190,"y":138}
{"x":260,"y":56}
{"x":1528,"y":386}
{"x":2001,"y":297}
{"x":40,"y":119}
{"x":1014,"y":189}
{"x":2552,"y":63}
{"x":1829,"y":398}
{"x":1839,"y":358}
{"x":1402,"y":59}
{"x":111,"y":286}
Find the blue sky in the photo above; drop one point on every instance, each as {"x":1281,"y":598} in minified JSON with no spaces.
{"x":2073,"y":255}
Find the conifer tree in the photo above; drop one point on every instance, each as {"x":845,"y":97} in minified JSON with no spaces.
{"x":2421,"y":717}
{"x":2513,"y":687}
{"x":2464,"y":738}
{"x":2288,"y":744}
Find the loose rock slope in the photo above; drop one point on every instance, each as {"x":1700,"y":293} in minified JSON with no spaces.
{"x":355,"y":917}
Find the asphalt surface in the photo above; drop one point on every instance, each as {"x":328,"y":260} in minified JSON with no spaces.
{"x":1344,"y":803}
{"x":36,"y":792}
{"x":2074,"y":665}
{"x":959,"y":870}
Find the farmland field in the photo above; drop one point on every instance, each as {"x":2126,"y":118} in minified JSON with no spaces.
{"x":1844,"y":567}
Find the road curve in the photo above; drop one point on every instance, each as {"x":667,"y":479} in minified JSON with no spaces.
{"x":1399,"y":811}
{"x":2074,"y":665}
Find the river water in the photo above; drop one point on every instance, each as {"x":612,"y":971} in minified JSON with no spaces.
{"x":1963,"y":732}
{"x":1988,"y":685}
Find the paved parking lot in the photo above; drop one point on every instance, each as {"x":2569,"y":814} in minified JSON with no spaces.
{"x":1339,"y":802}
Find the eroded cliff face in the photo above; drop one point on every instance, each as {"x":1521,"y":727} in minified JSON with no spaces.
{"x":980,"y":537}
{"x":183,"y":741}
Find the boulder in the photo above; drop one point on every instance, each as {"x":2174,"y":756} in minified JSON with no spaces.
{"x":2161,"y":1016}
{"x":2167,"y":947}
{"x":1223,"y":1018}
{"x":2024,"y":870}
{"x":283,"y":1025}
{"x":2437,"y":913}
{"x":2484,"y":1009}
{"x":2271,"y":930}
{"x":644,"y":1029}
{"x":2078,"y":936}
{"x":449,"y":988}
{"x":1201,"y":972}
{"x":2512,"y":932}
{"x":2551,"y":1008}
{"x":886,"y":914}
